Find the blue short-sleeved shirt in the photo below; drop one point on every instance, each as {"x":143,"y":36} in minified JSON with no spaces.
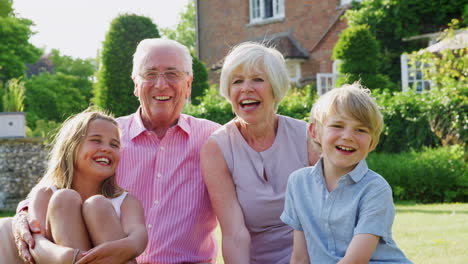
{"x":361,"y":203}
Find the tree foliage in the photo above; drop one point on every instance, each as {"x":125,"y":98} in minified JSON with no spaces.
{"x":448,"y":71}
{"x":114,"y":90}
{"x":82,"y":69}
{"x":15,"y":49}
{"x":184,"y":33}
{"x":53,"y":97}
{"x":390,"y":21}
{"x":358,"y":52}
{"x":200,"y":80}
{"x":185,"y":30}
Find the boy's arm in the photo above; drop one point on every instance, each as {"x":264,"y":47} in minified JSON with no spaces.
{"x":299,"y":254}
{"x":360,"y":249}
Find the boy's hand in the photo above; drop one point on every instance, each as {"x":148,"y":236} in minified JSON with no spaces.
{"x":23,"y":228}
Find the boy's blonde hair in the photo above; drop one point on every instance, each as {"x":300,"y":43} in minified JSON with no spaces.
{"x":62,"y":158}
{"x":353,"y":100}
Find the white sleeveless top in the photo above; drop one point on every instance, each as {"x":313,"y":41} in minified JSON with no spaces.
{"x":116,"y":202}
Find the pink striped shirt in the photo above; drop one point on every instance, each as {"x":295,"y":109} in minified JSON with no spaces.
{"x":165,"y":175}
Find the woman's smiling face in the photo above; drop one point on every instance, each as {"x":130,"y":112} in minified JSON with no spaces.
{"x":251,"y":96}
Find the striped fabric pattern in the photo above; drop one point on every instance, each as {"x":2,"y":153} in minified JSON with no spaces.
{"x":165,"y":175}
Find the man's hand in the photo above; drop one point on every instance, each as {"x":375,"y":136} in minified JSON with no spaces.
{"x":23,"y":230}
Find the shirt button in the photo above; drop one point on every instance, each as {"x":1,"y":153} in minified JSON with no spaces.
{"x":156,"y":202}
{"x":159,"y":175}
{"x":150,"y":226}
{"x":161,"y":148}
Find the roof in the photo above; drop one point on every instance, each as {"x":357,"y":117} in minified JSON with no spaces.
{"x":283,"y":42}
{"x":458,"y":41}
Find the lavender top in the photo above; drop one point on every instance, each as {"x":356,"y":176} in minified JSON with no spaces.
{"x":261,"y":199}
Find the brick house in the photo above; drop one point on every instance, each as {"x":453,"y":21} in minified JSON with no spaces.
{"x":305,"y":31}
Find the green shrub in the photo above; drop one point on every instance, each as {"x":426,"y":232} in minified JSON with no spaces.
{"x":212,"y":106}
{"x":44,"y":129}
{"x":432,"y":175}
{"x":406,"y":121}
{"x":114,"y":90}
{"x":298,"y":102}
{"x":13,"y":98}
{"x":358,"y":51}
{"x":200,"y":80}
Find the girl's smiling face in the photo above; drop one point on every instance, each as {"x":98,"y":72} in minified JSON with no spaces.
{"x":99,"y":152}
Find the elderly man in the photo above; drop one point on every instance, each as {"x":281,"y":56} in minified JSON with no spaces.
{"x":160,"y":161}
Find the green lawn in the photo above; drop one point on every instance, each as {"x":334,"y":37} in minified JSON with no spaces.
{"x":427,"y":233}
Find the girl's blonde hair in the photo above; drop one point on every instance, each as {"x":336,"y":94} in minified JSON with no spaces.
{"x":353,"y":100}
{"x":62,"y":158}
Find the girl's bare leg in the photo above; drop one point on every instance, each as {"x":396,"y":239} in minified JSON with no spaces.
{"x":98,"y":210}
{"x":65,"y":222}
{"x":8,"y":251}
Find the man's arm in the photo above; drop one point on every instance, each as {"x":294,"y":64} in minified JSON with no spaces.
{"x":299,"y":254}
{"x":23,"y":229}
{"x":218,"y":180}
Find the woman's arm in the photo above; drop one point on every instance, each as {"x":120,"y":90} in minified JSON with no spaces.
{"x":218,"y":180}
{"x":360,"y":249}
{"x":299,"y":254}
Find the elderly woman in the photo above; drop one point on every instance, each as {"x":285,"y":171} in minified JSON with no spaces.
{"x":247,"y":162}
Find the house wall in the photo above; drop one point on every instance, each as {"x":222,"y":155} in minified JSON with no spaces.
{"x":22,"y":164}
{"x":225,"y":23}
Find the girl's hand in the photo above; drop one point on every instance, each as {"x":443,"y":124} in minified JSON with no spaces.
{"x":109,"y":252}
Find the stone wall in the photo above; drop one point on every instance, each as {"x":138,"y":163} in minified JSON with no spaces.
{"x":22,"y":164}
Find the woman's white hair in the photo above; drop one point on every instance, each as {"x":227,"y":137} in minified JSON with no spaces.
{"x":145,"y":47}
{"x":254,"y":57}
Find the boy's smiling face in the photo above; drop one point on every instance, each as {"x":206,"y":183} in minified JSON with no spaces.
{"x":344,"y":140}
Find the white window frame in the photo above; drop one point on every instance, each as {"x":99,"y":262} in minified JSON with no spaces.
{"x":412,"y":76}
{"x":327,"y":81}
{"x":257,"y":11}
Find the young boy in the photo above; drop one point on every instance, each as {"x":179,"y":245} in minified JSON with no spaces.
{"x":341,"y":211}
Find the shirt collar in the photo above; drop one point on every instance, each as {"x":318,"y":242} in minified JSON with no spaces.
{"x":138,"y":127}
{"x":356,"y":174}
{"x":359,"y":171}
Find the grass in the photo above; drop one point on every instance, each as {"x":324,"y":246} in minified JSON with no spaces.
{"x":6,"y":213}
{"x":427,"y":233}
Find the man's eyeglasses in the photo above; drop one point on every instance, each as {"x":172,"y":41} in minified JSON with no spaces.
{"x":171,"y":76}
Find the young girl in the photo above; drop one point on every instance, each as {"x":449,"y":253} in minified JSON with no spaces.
{"x":79,"y":206}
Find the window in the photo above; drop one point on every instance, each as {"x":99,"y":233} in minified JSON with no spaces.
{"x":412,"y":75}
{"x":264,"y":10}
{"x":294,"y":70}
{"x":326,"y":81}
